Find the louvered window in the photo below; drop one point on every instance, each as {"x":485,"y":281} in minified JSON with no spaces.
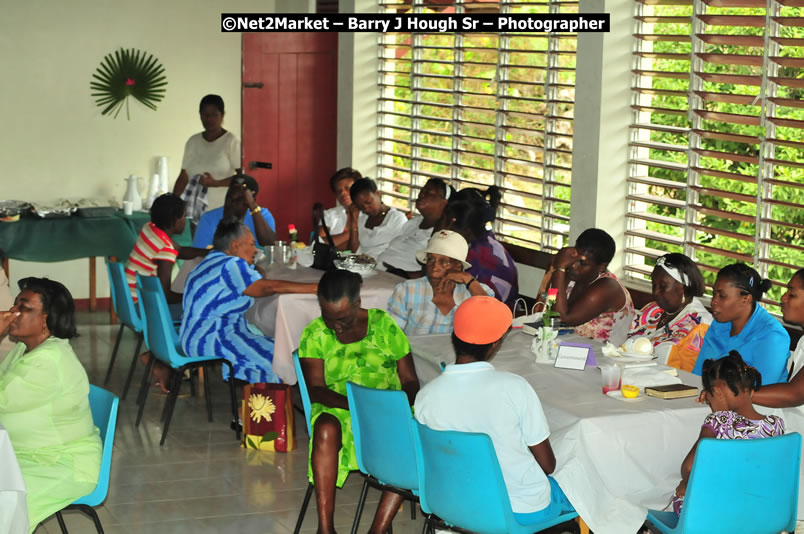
{"x":479,"y":110}
{"x":717,"y":151}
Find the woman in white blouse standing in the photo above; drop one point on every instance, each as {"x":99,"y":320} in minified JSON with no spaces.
{"x":373,"y":233}
{"x":214,"y":154}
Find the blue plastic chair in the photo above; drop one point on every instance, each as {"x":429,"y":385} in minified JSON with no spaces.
{"x":305,"y":397}
{"x":460,"y":481}
{"x":104,"y":413}
{"x":383,"y":437}
{"x":164,"y":344}
{"x":723,"y":472}
{"x":129,"y":315}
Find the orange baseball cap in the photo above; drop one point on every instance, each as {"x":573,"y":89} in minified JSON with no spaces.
{"x":482,"y":320}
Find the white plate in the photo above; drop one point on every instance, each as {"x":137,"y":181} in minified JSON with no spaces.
{"x":637,"y":356}
{"x":617,"y":394}
{"x":365,"y":273}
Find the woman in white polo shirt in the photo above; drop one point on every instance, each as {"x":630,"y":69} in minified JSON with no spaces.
{"x":214,"y":154}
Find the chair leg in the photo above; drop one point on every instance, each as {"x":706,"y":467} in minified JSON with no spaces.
{"x":60,"y":519}
{"x":144,"y":387}
{"x":360,"y":503}
{"x":413,"y":510}
{"x":174,"y":393}
{"x":90,"y":511}
{"x":114,"y":354}
{"x":303,"y":510}
{"x":192,"y":383}
{"x":172,"y":379}
{"x":207,"y":395}
{"x":133,"y":366}
{"x":426,"y":527}
{"x":234,"y":399}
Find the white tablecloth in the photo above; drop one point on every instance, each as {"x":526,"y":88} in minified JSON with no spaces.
{"x":13,"y":508}
{"x":615,"y":459}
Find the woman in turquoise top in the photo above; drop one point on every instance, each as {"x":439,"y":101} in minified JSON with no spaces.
{"x":741,"y":324}
{"x":44,"y":400}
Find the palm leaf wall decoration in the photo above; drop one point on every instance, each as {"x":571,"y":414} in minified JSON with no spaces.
{"x":128,"y":73}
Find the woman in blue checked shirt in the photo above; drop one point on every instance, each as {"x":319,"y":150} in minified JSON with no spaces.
{"x":427,"y":305}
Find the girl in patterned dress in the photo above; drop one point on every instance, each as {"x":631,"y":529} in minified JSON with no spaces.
{"x":728,"y":384}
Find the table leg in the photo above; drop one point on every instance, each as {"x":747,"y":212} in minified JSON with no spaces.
{"x":112,"y":314}
{"x":93,"y":301}
{"x":5,"y":266}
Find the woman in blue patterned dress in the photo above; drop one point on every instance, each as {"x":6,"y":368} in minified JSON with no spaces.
{"x":217,"y":294}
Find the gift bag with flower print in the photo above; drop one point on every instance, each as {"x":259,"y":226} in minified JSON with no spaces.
{"x":268,"y":418}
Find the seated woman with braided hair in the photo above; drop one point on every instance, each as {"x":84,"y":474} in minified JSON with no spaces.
{"x":470,"y":212}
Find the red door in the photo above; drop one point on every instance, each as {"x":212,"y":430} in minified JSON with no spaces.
{"x":289,"y":120}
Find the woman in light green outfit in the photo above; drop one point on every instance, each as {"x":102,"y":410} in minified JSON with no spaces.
{"x":348,"y":343}
{"x":44,"y":400}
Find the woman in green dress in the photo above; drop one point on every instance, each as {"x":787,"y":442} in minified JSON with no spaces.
{"x":348,"y":343}
{"x":44,"y":400}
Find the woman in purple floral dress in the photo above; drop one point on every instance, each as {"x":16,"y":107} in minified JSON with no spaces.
{"x":727,"y":387}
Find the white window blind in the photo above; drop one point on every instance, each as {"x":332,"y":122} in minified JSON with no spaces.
{"x":717,"y":160}
{"x":478,"y":110}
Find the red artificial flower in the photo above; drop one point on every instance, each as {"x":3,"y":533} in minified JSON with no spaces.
{"x":130,"y":81}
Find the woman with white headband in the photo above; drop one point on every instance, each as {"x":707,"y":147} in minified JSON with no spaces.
{"x":676,"y":321}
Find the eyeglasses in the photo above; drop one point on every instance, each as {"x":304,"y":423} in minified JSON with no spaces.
{"x":441,"y":262}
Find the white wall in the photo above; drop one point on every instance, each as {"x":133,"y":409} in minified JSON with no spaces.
{"x":601,"y":126}
{"x":358,"y":94}
{"x":57,"y":143}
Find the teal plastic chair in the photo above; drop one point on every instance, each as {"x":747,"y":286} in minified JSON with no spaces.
{"x":383,"y":437}
{"x":164,"y":344}
{"x":129,"y":315}
{"x":756,"y":476}
{"x":460,"y":481}
{"x":305,"y":397}
{"x":104,"y":413}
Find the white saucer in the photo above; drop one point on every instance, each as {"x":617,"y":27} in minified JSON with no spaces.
{"x":618,"y":394}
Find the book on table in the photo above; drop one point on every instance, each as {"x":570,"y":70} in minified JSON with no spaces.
{"x":673,"y":391}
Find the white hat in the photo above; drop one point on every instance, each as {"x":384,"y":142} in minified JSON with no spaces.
{"x":447,"y":243}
